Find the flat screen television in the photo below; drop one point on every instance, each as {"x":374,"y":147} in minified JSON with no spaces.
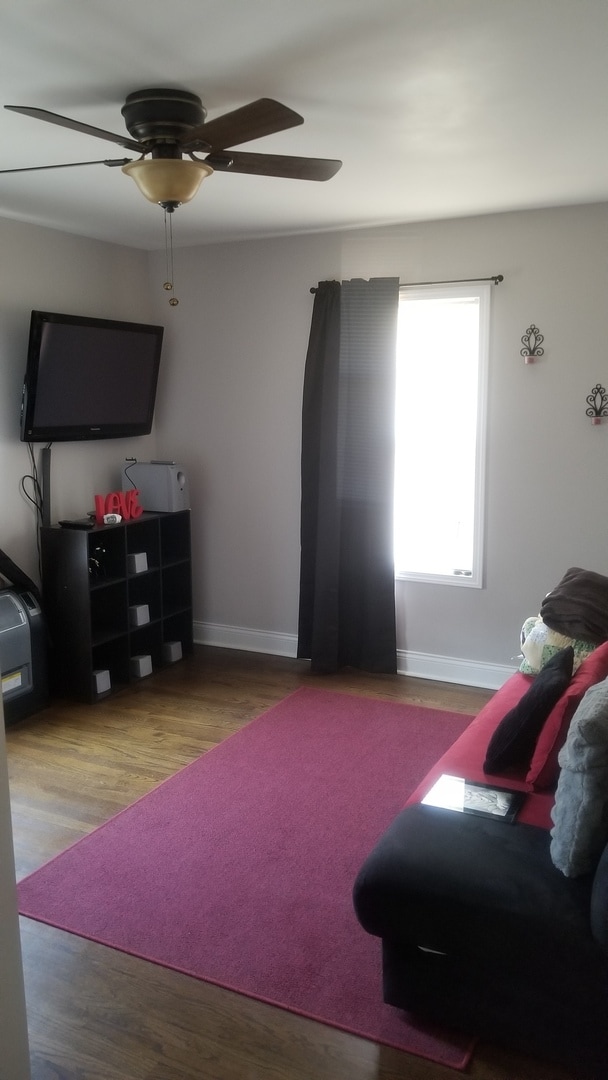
{"x":89,"y":378}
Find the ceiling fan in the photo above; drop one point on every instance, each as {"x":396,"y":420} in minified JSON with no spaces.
{"x":168,"y":127}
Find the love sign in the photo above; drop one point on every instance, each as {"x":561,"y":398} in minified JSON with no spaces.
{"x":125,"y":503}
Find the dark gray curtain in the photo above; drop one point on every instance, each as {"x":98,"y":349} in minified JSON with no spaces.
{"x":347,"y":589}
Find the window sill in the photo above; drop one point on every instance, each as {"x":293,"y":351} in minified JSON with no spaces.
{"x":459,"y":580}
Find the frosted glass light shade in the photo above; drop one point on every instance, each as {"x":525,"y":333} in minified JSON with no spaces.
{"x":168,"y":180}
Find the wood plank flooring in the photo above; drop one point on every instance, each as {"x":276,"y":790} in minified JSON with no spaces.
{"x":97,"y":1014}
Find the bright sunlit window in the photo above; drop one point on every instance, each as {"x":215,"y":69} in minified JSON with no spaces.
{"x":442,"y":351}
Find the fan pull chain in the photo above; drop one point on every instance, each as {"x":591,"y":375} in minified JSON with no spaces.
{"x":169,"y":283}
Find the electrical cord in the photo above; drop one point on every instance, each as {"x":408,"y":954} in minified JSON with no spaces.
{"x":133,"y":461}
{"x":34,"y":496}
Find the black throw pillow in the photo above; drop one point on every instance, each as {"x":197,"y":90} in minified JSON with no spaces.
{"x":515,"y":737}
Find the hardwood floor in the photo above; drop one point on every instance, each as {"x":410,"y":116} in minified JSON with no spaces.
{"x":98,"y":1014}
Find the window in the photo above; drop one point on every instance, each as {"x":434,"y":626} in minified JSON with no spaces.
{"x":442,"y":348}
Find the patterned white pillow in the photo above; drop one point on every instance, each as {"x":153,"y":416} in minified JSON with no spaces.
{"x":539,"y":644}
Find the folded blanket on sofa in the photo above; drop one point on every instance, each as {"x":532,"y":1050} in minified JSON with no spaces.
{"x":578,"y":606}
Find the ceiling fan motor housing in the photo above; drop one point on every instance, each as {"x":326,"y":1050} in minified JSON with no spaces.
{"x":165,"y":116}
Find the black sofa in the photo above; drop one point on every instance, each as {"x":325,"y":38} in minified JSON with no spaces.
{"x":480,"y":931}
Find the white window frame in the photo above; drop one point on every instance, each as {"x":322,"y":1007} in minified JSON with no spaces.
{"x":482,"y":292}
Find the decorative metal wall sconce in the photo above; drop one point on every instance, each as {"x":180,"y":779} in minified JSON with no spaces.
{"x":597,"y":401}
{"x":531,"y":341}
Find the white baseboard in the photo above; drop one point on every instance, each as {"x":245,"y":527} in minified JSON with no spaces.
{"x":453,"y":669}
{"x":417,"y":665}
{"x":242,"y":637}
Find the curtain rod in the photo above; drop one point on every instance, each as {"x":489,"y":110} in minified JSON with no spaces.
{"x":496,"y":278}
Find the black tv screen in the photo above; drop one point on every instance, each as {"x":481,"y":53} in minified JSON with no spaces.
{"x":89,"y":378}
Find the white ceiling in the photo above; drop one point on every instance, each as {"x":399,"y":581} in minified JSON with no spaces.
{"x":437,"y":108}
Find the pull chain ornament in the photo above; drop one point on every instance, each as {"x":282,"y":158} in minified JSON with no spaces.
{"x":169,"y":283}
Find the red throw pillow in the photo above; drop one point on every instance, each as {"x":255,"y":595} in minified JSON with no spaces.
{"x":544,"y":767}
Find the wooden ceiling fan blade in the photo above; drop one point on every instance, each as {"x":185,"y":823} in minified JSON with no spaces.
{"x":76,"y":125}
{"x":253,"y":121}
{"x":111,"y":162}
{"x":290,"y":168}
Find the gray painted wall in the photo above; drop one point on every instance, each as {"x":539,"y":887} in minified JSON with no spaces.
{"x":49,"y":270}
{"x":230,"y":398}
{"x":230,"y":412}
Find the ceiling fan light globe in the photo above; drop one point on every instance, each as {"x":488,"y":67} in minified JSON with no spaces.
{"x":168,"y":180}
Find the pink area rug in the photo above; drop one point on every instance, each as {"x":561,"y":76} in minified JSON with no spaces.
{"x":239,"y":869}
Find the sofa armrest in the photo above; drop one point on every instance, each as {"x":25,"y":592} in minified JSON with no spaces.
{"x":599,"y":903}
{"x":463,"y":884}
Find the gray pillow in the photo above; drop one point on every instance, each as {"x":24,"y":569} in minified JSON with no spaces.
{"x":580,"y":813}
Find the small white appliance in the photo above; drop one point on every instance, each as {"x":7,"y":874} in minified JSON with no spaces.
{"x":162,"y":485}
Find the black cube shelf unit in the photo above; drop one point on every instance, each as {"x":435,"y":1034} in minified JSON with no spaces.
{"x":117,"y":601}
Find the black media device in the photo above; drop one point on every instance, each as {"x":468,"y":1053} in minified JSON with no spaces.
{"x":89,"y":378}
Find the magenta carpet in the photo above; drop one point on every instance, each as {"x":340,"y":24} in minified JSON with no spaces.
{"x":238,"y":870}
